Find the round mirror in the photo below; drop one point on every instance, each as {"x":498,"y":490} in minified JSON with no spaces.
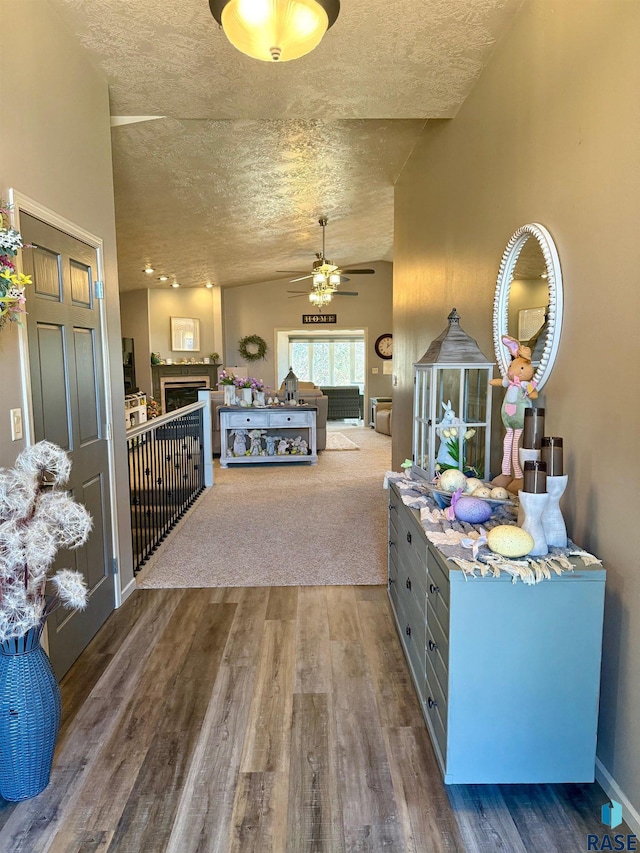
{"x":528,"y":300}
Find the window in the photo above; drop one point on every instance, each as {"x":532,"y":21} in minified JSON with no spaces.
{"x":328,"y":361}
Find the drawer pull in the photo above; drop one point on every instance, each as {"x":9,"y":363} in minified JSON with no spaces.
{"x":432,"y":703}
{"x":433,"y":588}
{"x":432,"y":646}
{"x":409,"y":537}
{"x":391,"y":543}
{"x":391,"y":580}
{"x":408,"y":583}
{"x":407,"y":630}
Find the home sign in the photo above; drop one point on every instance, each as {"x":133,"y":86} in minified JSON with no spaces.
{"x":319,"y":319}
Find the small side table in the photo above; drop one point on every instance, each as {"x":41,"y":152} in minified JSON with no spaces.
{"x":373,"y":402}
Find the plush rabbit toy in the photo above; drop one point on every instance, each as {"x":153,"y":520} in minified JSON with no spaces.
{"x":521,"y":390}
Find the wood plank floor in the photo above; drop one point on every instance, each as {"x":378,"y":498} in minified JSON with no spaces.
{"x":255,"y":720}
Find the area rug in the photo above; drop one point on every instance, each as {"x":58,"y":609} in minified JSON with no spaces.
{"x":284,"y":524}
{"x":339,"y":441}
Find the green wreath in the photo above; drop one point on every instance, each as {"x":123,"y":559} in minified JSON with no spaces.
{"x":252,"y":341}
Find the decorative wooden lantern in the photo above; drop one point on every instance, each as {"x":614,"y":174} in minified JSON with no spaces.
{"x":452,"y":406}
{"x":291,"y":386}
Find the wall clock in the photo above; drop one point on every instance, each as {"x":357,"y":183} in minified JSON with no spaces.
{"x":384,"y":346}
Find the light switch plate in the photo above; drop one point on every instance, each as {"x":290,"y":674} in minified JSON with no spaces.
{"x":16,"y":424}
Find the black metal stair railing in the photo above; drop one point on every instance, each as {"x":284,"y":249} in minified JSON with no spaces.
{"x":166,"y":475}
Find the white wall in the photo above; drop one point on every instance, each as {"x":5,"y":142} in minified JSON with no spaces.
{"x":549,"y":134}
{"x":196,"y":302}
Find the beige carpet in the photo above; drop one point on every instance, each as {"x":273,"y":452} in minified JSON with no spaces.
{"x":339,"y":441}
{"x":284,"y":525}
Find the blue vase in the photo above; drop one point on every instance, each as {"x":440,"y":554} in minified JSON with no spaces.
{"x":29,"y":716}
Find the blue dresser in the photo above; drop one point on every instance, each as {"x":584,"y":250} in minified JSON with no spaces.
{"x":507,"y":674}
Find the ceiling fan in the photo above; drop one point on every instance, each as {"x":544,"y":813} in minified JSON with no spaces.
{"x":326,"y":277}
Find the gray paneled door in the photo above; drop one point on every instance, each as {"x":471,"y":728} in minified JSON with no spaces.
{"x":68,"y":396}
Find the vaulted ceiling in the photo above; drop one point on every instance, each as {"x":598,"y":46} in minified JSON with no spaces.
{"x":228,"y":184}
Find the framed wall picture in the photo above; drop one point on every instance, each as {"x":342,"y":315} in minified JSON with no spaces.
{"x":185,"y":334}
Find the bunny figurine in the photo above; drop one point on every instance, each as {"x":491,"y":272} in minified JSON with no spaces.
{"x":521,"y":390}
{"x":449,"y":420}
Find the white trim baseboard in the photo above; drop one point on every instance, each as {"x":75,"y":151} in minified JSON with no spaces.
{"x":126,"y":592}
{"x":612,"y":789}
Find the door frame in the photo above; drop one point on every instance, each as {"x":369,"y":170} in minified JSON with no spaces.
{"x":20,"y":202}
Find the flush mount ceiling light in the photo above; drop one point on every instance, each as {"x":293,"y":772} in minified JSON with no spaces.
{"x":208,"y":285}
{"x":175,"y":284}
{"x":148,"y":269}
{"x":275,"y":30}
{"x":163,"y":278}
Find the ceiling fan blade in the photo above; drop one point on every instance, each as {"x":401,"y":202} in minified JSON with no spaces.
{"x":358,"y":272}
{"x":302,"y":278}
{"x":292,"y":272}
{"x":298,"y":291}
{"x":345,"y":293}
{"x":297,"y":295}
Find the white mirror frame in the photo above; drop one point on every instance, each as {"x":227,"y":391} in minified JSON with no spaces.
{"x":501,"y":301}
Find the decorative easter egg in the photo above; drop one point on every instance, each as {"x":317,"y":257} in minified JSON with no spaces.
{"x":509,"y":540}
{"x":472,"y":484}
{"x":482,"y":492}
{"x":472,"y":510}
{"x":499,"y":494}
{"x":451,"y":480}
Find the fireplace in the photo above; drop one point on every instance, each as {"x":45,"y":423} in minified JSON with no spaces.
{"x":179,"y":391}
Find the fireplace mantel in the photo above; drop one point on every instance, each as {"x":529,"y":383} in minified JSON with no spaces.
{"x":177,"y":371}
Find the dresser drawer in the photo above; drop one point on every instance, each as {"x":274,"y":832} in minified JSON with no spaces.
{"x":438,"y":598}
{"x":393,"y":580}
{"x":436,"y":657}
{"x":437,"y":728}
{"x":411,"y":541}
{"x":413,"y":583}
{"x":393,"y":531}
{"x":246,"y":420}
{"x":413,"y":629}
{"x":437,"y":634}
{"x":290,"y":419}
{"x":437,"y":693}
{"x":438,"y":578}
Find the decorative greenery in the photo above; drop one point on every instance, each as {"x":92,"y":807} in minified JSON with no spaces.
{"x":215,"y":357}
{"x":252,"y":341}
{"x":37,"y":516}
{"x":12,"y":283}
{"x":453,"y":447}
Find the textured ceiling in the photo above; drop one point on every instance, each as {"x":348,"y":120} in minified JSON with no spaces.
{"x":250,"y":154}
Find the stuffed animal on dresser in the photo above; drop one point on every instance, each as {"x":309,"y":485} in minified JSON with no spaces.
{"x":521,"y":390}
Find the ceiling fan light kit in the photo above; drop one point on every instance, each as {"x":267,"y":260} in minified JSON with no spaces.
{"x":275,"y":30}
{"x":325,"y":277}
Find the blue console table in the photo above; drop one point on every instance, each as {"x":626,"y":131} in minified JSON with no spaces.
{"x":507,"y":674}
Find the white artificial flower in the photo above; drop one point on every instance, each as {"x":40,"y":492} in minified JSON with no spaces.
{"x":69,"y":522}
{"x":469,"y":433}
{"x":45,"y":458}
{"x":10,"y":239}
{"x":40,"y":545}
{"x":71,"y":588}
{"x":17,"y":494}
